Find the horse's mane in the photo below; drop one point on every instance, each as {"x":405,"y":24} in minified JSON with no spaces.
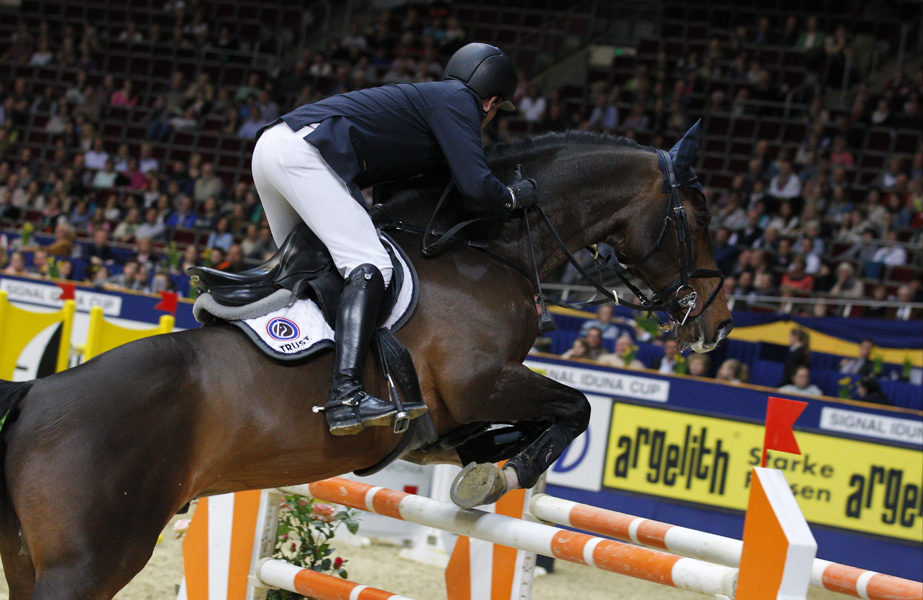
{"x":410,"y":193}
{"x":556,"y":139}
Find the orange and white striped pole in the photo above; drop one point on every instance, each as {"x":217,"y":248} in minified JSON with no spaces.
{"x":279,"y":574}
{"x":852,"y":581}
{"x":642,"y":563}
{"x":482,"y":570}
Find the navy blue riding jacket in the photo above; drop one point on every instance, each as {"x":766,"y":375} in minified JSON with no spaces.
{"x":395,"y":131}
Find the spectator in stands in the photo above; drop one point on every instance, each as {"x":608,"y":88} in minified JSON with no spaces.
{"x":252,"y":87}
{"x":840,"y":156}
{"x":221,"y":237}
{"x":892,"y":252}
{"x":63,"y":244}
{"x":184,"y":216}
{"x":605,"y":115}
{"x":667,"y":363}
{"x":799,"y":353}
{"x":763,"y":35}
{"x":39,"y":265}
{"x":801,"y":383}
{"x":158,"y":122}
{"x":888,"y":178}
{"x":96,"y":157}
{"x":152,"y":228}
{"x":268,"y":107}
{"x":208,"y":214}
{"x":207,"y":184}
{"x":751,"y":231}
{"x":725,"y":252}
{"x":733,"y":371}
{"x":609,"y":329}
{"x":141,"y":280}
{"x":125,"y":230}
{"x":105,"y":178}
{"x":811,"y":38}
{"x":124,"y":96}
{"x":253,"y":124}
{"x":637,"y":120}
{"x":869,"y":390}
{"x":877,"y":311}
{"x":624,"y":355}
{"x":145,"y":254}
{"x":187,"y":121}
{"x":790,"y":33}
{"x":846,"y":284}
{"x":125,"y":278}
{"x":594,"y":339}
{"x":532,"y":105}
{"x":17,"y":265}
{"x":904,"y":312}
{"x":786,"y":222}
{"x":46,"y":103}
{"x":862,"y":364}
{"x":811,"y":257}
{"x":732,"y":216}
{"x":786,"y":184}
{"x":98,"y":251}
{"x":146,"y":159}
{"x":796,"y":279}
{"x":698,"y":364}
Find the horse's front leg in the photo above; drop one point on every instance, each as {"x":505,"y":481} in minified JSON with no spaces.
{"x":521,"y":395}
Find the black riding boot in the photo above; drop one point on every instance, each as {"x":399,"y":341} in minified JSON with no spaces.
{"x":350,"y":408}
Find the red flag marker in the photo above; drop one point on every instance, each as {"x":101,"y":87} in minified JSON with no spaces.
{"x":67,"y":291}
{"x":781,"y":415}
{"x":168,"y":302}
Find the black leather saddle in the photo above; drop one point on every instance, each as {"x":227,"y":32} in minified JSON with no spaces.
{"x":302,"y":265}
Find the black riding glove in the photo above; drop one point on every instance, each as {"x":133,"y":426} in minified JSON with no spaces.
{"x":523,"y":192}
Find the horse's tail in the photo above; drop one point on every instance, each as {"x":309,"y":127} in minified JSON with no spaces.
{"x":11,"y":393}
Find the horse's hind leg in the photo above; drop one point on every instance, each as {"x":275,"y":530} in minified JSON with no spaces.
{"x":523,"y":395}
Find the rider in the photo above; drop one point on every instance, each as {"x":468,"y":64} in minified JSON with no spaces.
{"x":310,"y":164}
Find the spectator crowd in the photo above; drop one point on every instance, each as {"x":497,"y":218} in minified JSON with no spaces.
{"x":794,"y":224}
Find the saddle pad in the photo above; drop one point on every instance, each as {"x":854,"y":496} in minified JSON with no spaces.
{"x":300,"y":330}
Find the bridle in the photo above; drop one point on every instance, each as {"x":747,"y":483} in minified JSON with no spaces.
{"x":679,"y":295}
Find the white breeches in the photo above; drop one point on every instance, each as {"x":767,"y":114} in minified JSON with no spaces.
{"x":296,"y":184}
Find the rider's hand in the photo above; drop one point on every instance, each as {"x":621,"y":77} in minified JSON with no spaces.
{"x":523,"y":192}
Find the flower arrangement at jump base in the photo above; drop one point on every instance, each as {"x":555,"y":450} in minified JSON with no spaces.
{"x":306,"y":527}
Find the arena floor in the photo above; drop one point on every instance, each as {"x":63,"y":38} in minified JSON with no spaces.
{"x":380,"y":566}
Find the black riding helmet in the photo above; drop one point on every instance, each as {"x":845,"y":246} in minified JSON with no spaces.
{"x":486,"y":70}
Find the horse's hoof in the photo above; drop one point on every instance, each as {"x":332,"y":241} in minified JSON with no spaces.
{"x":478,"y":484}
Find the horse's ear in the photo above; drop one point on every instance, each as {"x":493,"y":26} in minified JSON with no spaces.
{"x":685,"y":150}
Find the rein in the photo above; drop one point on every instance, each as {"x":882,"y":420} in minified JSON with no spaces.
{"x":684,"y":296}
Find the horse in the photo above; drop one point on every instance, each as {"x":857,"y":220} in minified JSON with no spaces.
{"x":98,"y":458}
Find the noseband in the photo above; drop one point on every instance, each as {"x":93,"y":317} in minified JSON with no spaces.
{"x":678,"y":295}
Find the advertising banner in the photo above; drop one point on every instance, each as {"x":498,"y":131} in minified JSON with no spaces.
{"x":850,"y":484}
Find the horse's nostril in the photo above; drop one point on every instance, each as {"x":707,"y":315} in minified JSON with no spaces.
{"x":724,"y":328}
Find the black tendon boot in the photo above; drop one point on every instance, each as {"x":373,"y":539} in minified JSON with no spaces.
{"x":350,"y":408}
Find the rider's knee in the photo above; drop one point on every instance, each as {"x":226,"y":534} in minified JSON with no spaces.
{"x":372,"y":271}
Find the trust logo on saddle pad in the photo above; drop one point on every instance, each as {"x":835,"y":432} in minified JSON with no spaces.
{"x":282,"y":329}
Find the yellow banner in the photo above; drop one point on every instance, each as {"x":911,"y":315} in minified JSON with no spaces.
{"x":838,"y":482}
